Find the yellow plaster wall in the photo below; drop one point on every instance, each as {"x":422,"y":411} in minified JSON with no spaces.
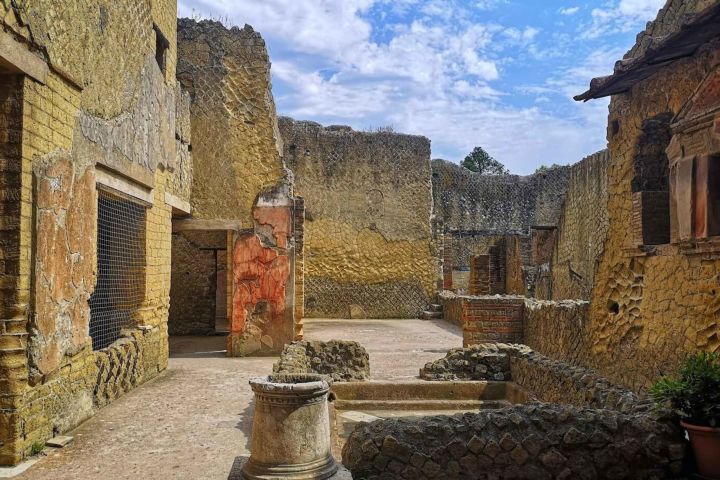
{"x":344,"y":254}
{"x":236,"y":145}
{"x":668,"y":301}
{"x":97,"y":52}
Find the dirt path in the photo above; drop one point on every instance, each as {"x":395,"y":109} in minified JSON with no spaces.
{"x":192,"y":421}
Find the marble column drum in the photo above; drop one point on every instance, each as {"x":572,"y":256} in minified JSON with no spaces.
{"x":291,"y":429}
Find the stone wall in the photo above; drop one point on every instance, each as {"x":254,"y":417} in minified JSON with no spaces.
{"x":558,"y":329}
{"x":452,"y":307}
{"x":542,"y":378}
{"x":343,"y":361}
{"x":532,"y":441}
{"x":240,"y":178}
{"x":582,"y":229}
{"x":227,"y":73}
{"x":97,"y":107}
{"x":467,"y":201}
{"x":652,"y":305}
{"x":368,"y":233}
{"x":198,"y":266}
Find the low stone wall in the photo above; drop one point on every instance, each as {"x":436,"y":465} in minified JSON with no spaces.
{"x":128,"y":362}
{"x":532,"y":441}
{"x":557,"y":329}
{"x":343,"y":361}
{"x":544,"y":379}
{"x":557,"y":382}
{"x":452,"y":307}
{"x":480,"y":362}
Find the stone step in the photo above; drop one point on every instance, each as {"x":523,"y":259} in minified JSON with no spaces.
{"x":428,"y":315}
{"x":348,"y":420}
{"x":419,"y":406}
{"x":436,"y":307}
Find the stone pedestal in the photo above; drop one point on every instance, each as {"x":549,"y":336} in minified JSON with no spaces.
{"x":291,"y":429}
{"x":236,"y":472}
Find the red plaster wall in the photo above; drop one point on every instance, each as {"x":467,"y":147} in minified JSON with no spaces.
{"x":260,"y":275}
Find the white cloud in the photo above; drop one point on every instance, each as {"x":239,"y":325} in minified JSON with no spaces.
{"x":488,"y":4}
{"x":569,"y":10}
{"x":437,"y":75}
{"x":622,"y":16}
{"x":310,"y":26}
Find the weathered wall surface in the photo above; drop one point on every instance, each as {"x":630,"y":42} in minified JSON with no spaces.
{"x":582,"y":228}
{"x":465,"y":200}
{"x":95,"y":101}
{"x":227,"y":73}
{"x":240,"y":176}
{"x":651,"y":306}
{"x":368,"y":237}
{"x":263,"y":308}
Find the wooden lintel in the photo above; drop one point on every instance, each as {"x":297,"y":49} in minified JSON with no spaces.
{"x":196,"y":224}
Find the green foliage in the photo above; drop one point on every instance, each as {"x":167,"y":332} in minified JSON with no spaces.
{"x":380,"y":129}
{"x":37,"y":447}
{"x":545,"y":168}
{"x":695,"y":393}
{"x":479,"y":161}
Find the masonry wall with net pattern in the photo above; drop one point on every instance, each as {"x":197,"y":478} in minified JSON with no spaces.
{"x":120,"y":286}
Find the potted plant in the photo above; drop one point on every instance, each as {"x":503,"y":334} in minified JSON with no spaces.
{"x":695,"y":395}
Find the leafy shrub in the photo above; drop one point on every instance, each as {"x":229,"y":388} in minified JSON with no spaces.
{"x":695,"y":393}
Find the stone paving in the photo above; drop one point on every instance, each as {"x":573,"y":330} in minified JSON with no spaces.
{"x":192,"y":421}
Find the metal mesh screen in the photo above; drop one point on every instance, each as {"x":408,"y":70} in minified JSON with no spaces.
{"x":120,"y":286}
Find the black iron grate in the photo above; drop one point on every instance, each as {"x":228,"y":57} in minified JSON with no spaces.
{"x":120,"y":287}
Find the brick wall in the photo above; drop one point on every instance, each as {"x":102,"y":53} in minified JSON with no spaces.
{"x":55,"y":380}
{"x":479,"y":275}
{"x":14,"y":285}
{"x":492,"y":319}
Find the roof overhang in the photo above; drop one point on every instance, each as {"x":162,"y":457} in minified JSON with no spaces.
{"x":695,"y":31}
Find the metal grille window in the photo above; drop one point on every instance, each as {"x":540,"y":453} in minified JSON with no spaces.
{"x":120,"y":286}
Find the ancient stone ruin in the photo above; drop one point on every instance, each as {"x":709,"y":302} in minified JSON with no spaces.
{"x":150,"y":189}
{"x":342,"y":361}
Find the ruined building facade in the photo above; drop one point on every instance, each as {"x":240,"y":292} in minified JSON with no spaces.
{"x":655,"y":295}
{"x":112,"y":233}
{"x":242,"y":245}
{"x":626,"y":278}
{"x":95,"y":162}
{"x":369,"y":251}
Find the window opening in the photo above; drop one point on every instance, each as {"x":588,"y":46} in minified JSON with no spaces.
{"x":120,"y":287}
{"x":161,"y":47}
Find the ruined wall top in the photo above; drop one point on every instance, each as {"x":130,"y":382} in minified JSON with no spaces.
{"x":376,"y":180}
{"x":227,"y":73}
{"x":465,"y":200}
{"x":669,"y":20}
{"x":89,"y":43}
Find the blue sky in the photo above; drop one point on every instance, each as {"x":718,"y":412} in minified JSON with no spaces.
{"x":495,"y":73}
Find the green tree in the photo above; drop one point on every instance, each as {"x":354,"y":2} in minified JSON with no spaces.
{"x":481,"y":162}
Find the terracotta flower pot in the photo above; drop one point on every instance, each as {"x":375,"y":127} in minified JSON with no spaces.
{"x":705,"y":442}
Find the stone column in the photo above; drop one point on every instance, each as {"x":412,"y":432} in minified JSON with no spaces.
{"x":291,"y":429}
